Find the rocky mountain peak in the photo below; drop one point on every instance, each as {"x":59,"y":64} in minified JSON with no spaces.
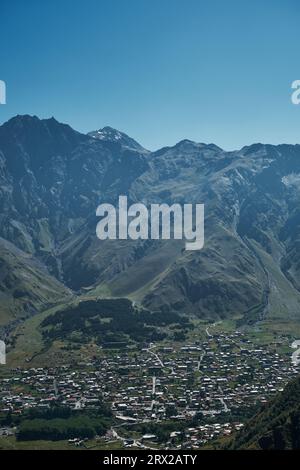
{"x":109,"y":134}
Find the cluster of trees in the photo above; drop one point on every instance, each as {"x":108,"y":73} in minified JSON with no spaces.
{"x":109,"y":321}
{"x":60,"y":429}
{"x":164,"y":318}
{"x":102,"y":413}
{"x":59,"y":423}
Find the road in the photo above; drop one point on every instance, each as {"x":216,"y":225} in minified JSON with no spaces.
{"x":214,"y":324}
{"x":153,"y":392}
{"x":136,"y":443}
{"x":153,"y":385}
{"x":226,"y":409}
{"x":200,"y":361}
{"x":155,"y":355}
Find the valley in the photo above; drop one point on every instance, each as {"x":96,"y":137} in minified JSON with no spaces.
{"x":169,"y":348}
{"x":186,"y":394}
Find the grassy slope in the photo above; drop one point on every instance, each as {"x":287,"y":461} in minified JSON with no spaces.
{"x":25,"y":286}
{"x":275,"y":414}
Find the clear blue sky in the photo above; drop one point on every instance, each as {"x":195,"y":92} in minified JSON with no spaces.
{"x":160,"y":70}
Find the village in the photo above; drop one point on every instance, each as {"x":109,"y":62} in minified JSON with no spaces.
{"x":202,"y":386}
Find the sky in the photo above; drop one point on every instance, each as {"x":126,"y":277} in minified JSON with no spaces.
{"x":160,"y":70}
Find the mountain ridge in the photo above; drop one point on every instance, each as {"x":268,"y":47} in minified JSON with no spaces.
{"x":52,"y":178}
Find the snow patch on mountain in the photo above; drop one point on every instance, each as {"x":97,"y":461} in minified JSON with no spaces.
{"x":291,"y":180}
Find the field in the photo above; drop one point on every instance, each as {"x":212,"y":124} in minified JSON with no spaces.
{"x":10,"y":443}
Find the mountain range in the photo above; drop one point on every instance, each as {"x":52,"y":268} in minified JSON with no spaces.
{"x":52,"y":178}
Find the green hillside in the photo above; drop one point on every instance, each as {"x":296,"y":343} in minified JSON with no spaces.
{"x":26,"y":286}
{"x":276,"y":426}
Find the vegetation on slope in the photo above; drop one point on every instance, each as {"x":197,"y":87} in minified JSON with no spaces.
{"x":110,"y":321}
{"x":276,"y":426}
